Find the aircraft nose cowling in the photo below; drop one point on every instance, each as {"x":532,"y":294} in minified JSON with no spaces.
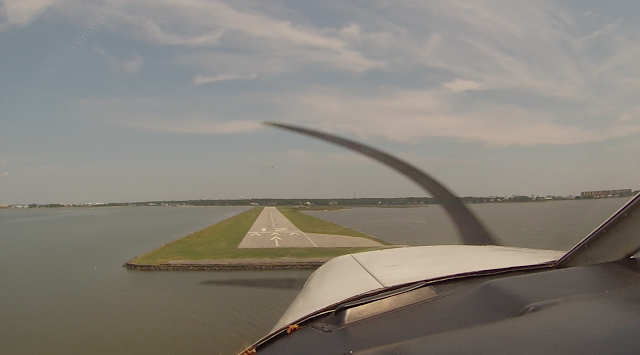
{"x":336,"y":280}
{"x":351,"y":275}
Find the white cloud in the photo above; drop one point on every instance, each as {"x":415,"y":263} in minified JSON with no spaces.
{"x":6,"y":159}
{"x":199,"y":80}
{"x":298,"y":157}
{"x":169,"y":115}
{"x":460,"y":85}
{"x":547,"y":74}
{"x":410,"y":115}
{"x":130,"y":66}
{"x":22,"y":12}
{"x":158,"y":35}
{"x":192,"y":126}
{"x":243,"y":28}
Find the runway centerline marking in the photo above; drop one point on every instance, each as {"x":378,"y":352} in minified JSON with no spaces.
{"x":271,"y":215}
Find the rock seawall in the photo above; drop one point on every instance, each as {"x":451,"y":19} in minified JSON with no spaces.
{"x":230,"y":265}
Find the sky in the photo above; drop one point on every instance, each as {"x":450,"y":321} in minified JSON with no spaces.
{"x":122,"y":101}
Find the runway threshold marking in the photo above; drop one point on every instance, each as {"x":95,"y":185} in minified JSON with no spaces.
{"x":283,"y":230}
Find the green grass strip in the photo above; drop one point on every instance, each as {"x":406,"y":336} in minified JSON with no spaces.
{"x":310,"y":224}
{"x":220,"y":241}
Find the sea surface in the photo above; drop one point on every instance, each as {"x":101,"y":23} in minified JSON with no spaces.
{"x":63,"y":289}
{"x":556,"y":225}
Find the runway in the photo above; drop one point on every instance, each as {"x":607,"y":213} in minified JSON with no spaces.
{"x":273,"y":230}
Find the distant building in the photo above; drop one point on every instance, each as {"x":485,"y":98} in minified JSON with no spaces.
{"x":606,"y":193}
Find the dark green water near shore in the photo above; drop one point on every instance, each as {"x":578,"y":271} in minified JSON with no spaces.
{"x":63,"y":289}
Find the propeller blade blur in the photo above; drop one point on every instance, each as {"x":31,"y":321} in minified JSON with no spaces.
{"x":469,"y":228}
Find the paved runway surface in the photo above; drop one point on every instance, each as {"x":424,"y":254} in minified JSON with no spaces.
{"x":273,"y":230}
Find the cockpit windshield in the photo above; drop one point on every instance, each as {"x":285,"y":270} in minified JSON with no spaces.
{"x":132,"y":133}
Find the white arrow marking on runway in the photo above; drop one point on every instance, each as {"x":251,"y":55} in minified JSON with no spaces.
{"x":294,"y":233}
{"x":274,"y":233}
{"x":254,"y":233}
{"x":276,"y":239}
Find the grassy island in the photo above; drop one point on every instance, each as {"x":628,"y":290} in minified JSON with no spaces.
{"x":220,"y":242}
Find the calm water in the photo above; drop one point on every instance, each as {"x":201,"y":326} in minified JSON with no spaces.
{"x":63,"y":289}
{"x":554,"y":225}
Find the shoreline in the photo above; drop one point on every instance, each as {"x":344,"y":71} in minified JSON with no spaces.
{"x":314,"y":208}
{"x":232,"y":265}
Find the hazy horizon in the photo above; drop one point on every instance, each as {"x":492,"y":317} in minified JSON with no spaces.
{"x":288,"y":198}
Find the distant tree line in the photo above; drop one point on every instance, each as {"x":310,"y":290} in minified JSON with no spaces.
{"x":363,"y":201}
